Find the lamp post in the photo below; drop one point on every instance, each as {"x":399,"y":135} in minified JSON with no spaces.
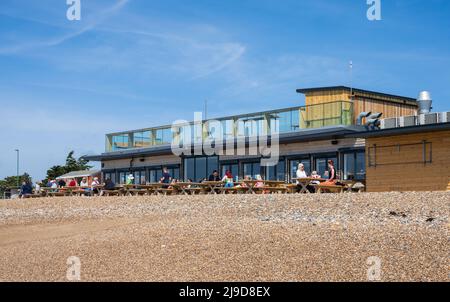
{"x":18,"y":177}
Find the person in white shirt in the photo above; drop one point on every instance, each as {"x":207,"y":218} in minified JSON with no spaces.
{"x":37,"y":188}
{"x":84,"y":183}
{"x":94,"y":185}
{"x":301,"y":173}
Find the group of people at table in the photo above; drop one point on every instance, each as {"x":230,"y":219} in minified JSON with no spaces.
{"x":167,"y":182}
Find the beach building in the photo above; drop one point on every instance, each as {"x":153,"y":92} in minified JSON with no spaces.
{"x":372,"y":137}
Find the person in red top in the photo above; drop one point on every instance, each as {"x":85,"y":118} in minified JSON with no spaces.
{"x":73,"y":183}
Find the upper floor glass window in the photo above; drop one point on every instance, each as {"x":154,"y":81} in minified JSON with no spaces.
{"x":163,"y":136}
{"x":142,"y":139}
{"x":120,"y":142}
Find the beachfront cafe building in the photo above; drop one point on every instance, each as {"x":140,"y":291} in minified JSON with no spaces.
{"x":334,"y":124}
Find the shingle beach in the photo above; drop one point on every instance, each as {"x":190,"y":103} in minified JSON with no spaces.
{"x":317,"y":237}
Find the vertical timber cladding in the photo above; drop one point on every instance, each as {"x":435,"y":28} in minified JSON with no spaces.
{"x":365,"y":101}
{"x":410,"y":162}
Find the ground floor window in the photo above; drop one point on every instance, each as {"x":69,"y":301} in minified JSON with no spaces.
{"x":321,"y":165}
{"x":139,"y":177}
{"x":199,"y":168}
{"x":155,"y":173}
{"x":277,"y":172}
{"x":122,"y":177}
{"x":354,"y":165}
{"x":232,"y":167}
{"x":109,"y":175}
{"x":293,"y":165}
{"x":252,"y":169}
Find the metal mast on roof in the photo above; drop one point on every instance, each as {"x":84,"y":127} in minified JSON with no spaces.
{"x":351,"y":80}
{"x":206,"y":110}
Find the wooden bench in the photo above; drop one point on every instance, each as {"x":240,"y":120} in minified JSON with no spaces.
{"x":162,"y":191}
{"x":56,"y":194}
{"x":32,"y":196}
{"x":232,"y":190}
{"x":322,"y":188}
{"x":276,"y":190}
{"x":137,"y":192}
{"x":112,"y":192}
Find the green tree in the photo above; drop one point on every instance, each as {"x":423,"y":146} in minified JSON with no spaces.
{"x":71,"y":165}
{"x":11,"y":182}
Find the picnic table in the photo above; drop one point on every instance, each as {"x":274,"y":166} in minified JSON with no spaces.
{"x":212,"y":187}
{"x":188,"y":188}
{"x":304,"y":182}
{"x":250,"y":185}
{"x":331,"y":188}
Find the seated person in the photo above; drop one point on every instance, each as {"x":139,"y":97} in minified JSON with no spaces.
{"x":73,"y":183}
{"x":109,"y":185}
{"x":228,"y":179}
{"x":214,"y":176}
{"x":84,"y":183}
{"x":259,"y":182}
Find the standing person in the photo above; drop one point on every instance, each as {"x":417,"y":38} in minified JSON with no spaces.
{"x":26,"y":189}
{"x":214,"y":176}
{"x":228,"y":179}
{"x":166,"y":178}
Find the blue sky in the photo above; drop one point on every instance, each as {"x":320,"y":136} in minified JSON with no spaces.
{"x":131,"y":64}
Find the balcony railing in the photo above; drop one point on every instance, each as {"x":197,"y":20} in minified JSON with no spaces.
{"x":248,"y":125}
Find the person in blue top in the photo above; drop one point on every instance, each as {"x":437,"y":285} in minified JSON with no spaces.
{"x":166,"y":177}
{"x":26,"y":189}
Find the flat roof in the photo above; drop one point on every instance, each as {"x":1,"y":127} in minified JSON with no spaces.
{"x":401,"y":130}
{"x":356,"y":90}
{"x":324,"y":133}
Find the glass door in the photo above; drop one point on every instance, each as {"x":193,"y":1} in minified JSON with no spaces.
{"x":293,"y":166}
{"x":321,"y":164}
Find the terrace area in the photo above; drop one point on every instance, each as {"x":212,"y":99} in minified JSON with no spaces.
{"x":239,"y":126}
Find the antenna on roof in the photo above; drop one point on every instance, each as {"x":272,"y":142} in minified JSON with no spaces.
{"x":206,"y":110}
{"x":351,"y":80}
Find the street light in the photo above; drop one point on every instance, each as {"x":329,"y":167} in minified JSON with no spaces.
{"x":18,"y":177}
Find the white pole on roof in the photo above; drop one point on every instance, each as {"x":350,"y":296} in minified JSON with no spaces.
{"x":351,"y":80}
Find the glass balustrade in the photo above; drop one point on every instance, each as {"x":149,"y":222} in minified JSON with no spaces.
{"x":248,"y":125}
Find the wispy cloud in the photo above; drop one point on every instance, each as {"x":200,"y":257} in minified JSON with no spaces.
{"x":91,"y":24}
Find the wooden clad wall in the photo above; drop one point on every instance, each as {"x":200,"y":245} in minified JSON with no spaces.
{"x":364,"y":102}
{"x":398,"y":174}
